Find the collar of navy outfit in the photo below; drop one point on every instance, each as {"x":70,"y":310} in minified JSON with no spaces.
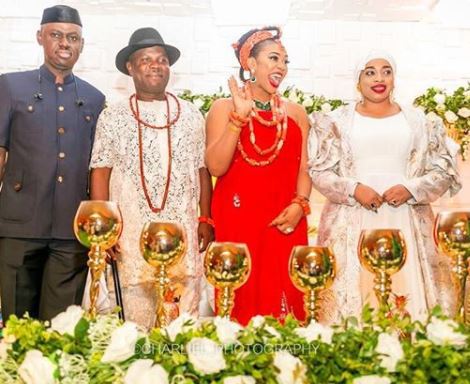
{"x":48,"y":131}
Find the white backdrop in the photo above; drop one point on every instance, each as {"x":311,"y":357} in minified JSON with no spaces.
{"x":322,"y":52}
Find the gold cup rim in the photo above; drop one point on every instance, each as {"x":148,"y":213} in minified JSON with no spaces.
{"x":391,"y":231}
{"x":113,"y":206}
{"x":331,"y":256}
{"x":247,"y":255}
{"x":444,"y":216}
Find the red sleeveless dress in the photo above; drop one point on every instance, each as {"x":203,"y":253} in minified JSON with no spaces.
{"x":245,"y":200}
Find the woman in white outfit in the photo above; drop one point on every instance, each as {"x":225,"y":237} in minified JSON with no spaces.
{"x":380,"y":165}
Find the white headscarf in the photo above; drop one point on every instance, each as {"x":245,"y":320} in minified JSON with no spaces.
{"x":374,"y":54}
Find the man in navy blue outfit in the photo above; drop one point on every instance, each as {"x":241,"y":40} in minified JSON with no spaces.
{"x":47,"y":127}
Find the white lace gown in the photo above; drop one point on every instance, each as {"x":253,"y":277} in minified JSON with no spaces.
{"x":380,"y":148}
{"x":116,"y":146}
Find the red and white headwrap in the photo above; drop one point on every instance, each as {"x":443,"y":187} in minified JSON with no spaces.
{"x":255,"y":38}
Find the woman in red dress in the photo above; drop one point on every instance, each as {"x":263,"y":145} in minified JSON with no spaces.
{"x":256,"y":146}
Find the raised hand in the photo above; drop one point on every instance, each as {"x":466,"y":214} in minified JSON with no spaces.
{"x":367,"y":197}
{"x":241,"y":96}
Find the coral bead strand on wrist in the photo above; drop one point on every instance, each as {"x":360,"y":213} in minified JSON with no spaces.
{"x":303,"y":202}
{"x":235,"y":117}
{"x":208,"y":220}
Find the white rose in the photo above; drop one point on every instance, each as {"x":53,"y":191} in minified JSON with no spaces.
{"x":432,"y":116}
{"x":316,"y":331}
{"x":308,"y":102}
{"x":467,"y":94}
{"x":390,"y":348}
{"x":143,"y":371}
{"x":198,"y":103}
{"x":205,"y":355}
{"x":36,"y":369}
{"x":371,"y":379}
{"x":272,"y":331}
{"x":451,"y":117}
{"x":442,"y":332}
{"x":464,"y":112}
{"x":440,"y":107}
{"x":439,"y":98}
{"x":183,"y":323}
{"x":239,"y":380}
{"x":122,"y":344}
{"x":227,"y":330}
{"x":257,"y":321}
{"x":292,"y":370}
{"x":65,"y":322}
{"x":293,"y":96}
{"x":326,"y":107}
{"x":4,"y":347}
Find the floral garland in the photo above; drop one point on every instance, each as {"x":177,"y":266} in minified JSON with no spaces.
{"x":453,"y":109}
{"x":74,"y":349}
{"x":311,"y":103}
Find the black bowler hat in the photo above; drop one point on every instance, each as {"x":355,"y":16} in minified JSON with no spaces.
{"x":144,"y":38}
{"x":61,"y":14}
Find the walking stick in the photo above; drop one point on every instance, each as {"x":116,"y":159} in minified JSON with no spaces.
{"x":117,"y":289}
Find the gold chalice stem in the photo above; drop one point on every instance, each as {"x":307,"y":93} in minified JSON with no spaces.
{"x":461,"y":270}
{"x":97,"y":264}
{"x":382,"y":287}
{"x":226,"y":301}
{"x":310,"y":306}
{"x":161,"y":285}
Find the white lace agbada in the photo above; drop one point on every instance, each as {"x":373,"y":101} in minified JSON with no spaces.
{"x":116,"y":146}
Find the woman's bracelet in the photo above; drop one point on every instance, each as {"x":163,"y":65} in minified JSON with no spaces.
{"x":234,"y":116}
{"x":207,"y":220}
{"x":303,"y":202}
{"x":234,"y":127}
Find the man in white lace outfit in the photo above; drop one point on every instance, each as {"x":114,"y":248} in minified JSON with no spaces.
{"x":148,"y":156}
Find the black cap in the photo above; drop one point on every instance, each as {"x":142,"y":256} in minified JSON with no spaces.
{"x":144,"y":38}
{"x":61,"y":14}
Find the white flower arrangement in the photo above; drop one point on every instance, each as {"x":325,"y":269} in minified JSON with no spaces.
{"x":36,"y":368}
{"x":66,"y":322}
{"x":144,"y":371}
{"x":240,"y":379}
{"x":227,"y":331}
{"x":372,"y":379}
{"x":122,"y":343}
{"x":390,"y":350}
{"x":316,"y":331}
{"x":291,"y":369}
{"x":107,"y":350}
{"x":453,"y":109}
{"x":205,"y":355}
{"x":442,"y":332}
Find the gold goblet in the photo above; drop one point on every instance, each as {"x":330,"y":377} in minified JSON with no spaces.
{"x":383,"y":252}
{"x":452,"y":235}
{"x":227,"y":267}
{"x":97,"y":225}
{"x":311,"y":269}
{"x":162,"y":245}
